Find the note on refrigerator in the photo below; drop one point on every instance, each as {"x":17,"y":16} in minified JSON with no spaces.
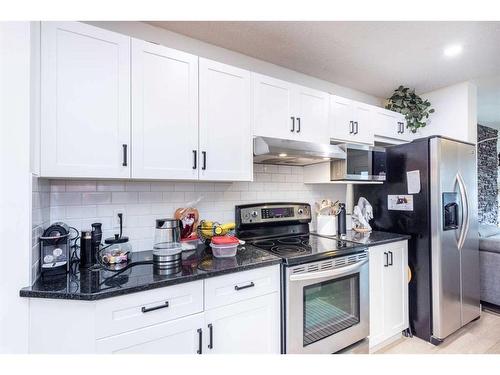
{"x":413,"y":181}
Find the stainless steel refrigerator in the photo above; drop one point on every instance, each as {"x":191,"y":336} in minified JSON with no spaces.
{"x":436,"y":203}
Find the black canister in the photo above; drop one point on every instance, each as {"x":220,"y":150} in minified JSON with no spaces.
{"x":96,"y":237}
{"x":87,"y":254}
{"x":341,"y":221}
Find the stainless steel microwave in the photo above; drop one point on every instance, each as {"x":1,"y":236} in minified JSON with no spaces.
{"x":362,"y":163}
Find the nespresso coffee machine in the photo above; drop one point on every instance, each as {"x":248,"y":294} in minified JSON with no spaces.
{"x":55,"y":250}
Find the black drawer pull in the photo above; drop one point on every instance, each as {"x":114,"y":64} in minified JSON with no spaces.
{"x":204,"y":154}
{"x":357,"y":127}
{"x":211,"y":336}
{"x":195,"y":157}
{"x":124,"y":146}
{"x":391,"y":261}
{"x":236,"y":287}
{"x":386,"y":264}
{"x":293,"y":124}
{"x":199,"y":351}
{"x":351,"y":127}
{"x":148,"y":309}
{"x":298,"y":124}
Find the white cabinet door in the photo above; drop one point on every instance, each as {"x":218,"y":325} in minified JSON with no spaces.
{"x":273,"y":108}
{"x":250,"y":326}
{"x":85,"y":101}
{"x":364,"y":122}
{"x":391,"y":126}
{"x":225,"y":123}
{"x":164,"y":112}
{"x":180,"y":336}
{"x":341,"y":119}
{"x":312,"y":115}
{"x":396,"y":290}
{"x":388,"y":291}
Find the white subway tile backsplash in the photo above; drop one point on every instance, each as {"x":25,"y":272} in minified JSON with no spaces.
{"x":79,"y":204}
{"x":76,"y":185}
{"x":96,"y":198}
{"x":124,"y":197}
{"x":65,"y":199}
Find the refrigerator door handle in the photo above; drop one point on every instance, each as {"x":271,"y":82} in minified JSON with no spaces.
{"x":464,"y":228}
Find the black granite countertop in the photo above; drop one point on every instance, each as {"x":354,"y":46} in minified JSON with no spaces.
{"x":100,"y":283}
{"x":373,"y":238}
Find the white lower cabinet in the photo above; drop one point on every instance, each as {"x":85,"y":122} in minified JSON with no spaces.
{"x":180,"y":336}
{"x":170,"y":320}
{"x":388,"y":292}
{"x":250,"y":326}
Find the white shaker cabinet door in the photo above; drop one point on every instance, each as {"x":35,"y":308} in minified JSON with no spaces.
{"x":225,"y":123}
{"x":364,"y":122}
{"x":341,"y":119}
{"x":164,"y":112}
{"x":85,"y":101}
{"x":273,"y":108}
{"x":312,"y":115}
{"x":180,"y":336}
{"x":247,"y":327}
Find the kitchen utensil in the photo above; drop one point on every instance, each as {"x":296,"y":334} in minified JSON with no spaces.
{"x":167,"y":231}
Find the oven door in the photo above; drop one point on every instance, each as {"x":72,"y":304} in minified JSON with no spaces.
{"x":326,"y":305}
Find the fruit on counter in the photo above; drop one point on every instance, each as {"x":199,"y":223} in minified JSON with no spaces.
{"x":209,"y":228}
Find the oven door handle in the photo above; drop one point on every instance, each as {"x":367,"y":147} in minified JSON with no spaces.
{"x":329,"y":273}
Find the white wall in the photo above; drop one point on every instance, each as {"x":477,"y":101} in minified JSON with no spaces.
{"x":15,"y":184}
{"x":173,"y":40}
{"x":456,"y":112}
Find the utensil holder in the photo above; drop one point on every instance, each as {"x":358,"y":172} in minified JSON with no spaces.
{"x":327,"y":225}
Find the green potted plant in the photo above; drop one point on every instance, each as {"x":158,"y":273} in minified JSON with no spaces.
{"x":412,"y":106}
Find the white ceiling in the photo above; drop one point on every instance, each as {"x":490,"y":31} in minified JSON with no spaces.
{"x":373,"y":57}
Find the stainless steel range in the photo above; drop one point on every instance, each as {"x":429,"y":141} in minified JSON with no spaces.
{"x":324,"y":281}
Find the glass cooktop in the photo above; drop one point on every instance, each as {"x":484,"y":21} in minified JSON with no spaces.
{"x":306,"y":248}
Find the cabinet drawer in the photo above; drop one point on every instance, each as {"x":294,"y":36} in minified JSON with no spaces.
{"x":122,"y":314}
{"x":224,"y":290}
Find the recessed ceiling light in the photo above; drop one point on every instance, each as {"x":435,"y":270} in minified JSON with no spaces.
{"x":282,"y":155}
{"x":453,"y":50}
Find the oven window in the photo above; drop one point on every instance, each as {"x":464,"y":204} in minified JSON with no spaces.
{"x":330,"y":307}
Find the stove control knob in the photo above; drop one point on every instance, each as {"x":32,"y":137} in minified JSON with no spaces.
{"x":246,"y":215}
{"x":254,"y":213}
{"x":300,"y":211}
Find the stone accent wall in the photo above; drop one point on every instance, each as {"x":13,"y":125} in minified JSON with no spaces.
{"x":487,"y":175}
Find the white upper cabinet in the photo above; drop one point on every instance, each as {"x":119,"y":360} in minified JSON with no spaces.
{"x":164,"y":112}
{"x":273,"y":107}
{"x":225,"y":143}
{"x":312,"y":115}
{"x":85,"y":101}
{"x":351,"y":121}
{"x":288,"y":111}
{"x":390,"y":127}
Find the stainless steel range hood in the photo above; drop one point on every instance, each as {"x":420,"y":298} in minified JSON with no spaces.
{"x":287,"y":152}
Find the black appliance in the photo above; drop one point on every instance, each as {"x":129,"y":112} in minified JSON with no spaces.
{"x":324,"y":281}
{"x":55,"y":250}
{"x":440,"y":214}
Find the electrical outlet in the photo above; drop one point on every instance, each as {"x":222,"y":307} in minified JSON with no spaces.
{"x":116,"y":219}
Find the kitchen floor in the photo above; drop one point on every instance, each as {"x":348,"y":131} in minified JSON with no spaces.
{"x":479,"y":337}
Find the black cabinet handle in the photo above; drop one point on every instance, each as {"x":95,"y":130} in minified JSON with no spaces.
{"x":351,"y":127}
{"x":293,"y":124}
{"x":357,"y":127}
{"x":298,"y":124}
{"x":199,"y":351}
{"x":148,"y":309}
{"x":236,"y":287}
{"x":195,"y":159}
{"x":402,"y":128}
{"x":391,"y":261}
{"x":204,"y":154}
{"x":124,"y":147}
{"x":211,"y":336}
{"x":386,"y":264}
